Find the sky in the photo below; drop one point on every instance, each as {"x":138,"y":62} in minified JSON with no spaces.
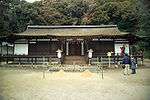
{"x":31,"y":1}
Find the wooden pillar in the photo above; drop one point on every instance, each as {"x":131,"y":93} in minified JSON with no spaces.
{"x":28,"y":60}
{"x":32,"y":61}
{"x":86,"y":47}
{"x":62,"y":46}
{"x":1,"y":49}
{"x":7,"y":48}
{"x":130,"y":49}
{"x":35,"y":60}
{"x":13,"y":48}
{"x":7,"y":53}
{"x":87,"y":43}
{"x":67,"y":48}
{"x":82,"y":48}
{"x":1,"y":52}
{"x":28,"y":45}
{"x":49,"y":46}
{"x":19,"y":61}
{"x":114,"y":47}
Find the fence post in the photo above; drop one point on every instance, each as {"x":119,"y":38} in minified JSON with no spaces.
{"x":100,"y":66}
{"x":19,"y":61}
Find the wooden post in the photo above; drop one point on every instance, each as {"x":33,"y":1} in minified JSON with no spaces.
{"x":142,"y":60}
{"x":43,"y":67}
{"x":117,"y":59}
{"x":7,"y":53}
{"x":28,"y":60}
{"x":19,"y":61}
{"x":101,"y":59}
{"x":89,"y":61}
{"x":7,"y":48}
{"x":67,"y":48}
{"x":74,"y":65}
{"x":97,"y":66}
{"x":35,"y":60}
{"x":82,"y":48}
{"x":62,"y":46}
{"x":43,"y":74}
{"x":136,"y":59}
{"x":100,"y":67}
{"x":102,"y":70}
{"x":109,"y":54}
{"x":43,"y":60}
{"x":32,"y":61}
{"x":1,"y":49}
{"x":87,"y":45}
{"x":0,"y":53}
{"x":109,"y":61}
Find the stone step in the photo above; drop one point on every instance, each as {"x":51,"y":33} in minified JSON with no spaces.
{"x":74,"y":60}
{"x":74,"y":57}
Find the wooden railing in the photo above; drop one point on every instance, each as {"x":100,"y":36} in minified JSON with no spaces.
{"x":31,"y":59}
{"x":52,"y":58}
{"x":114,"y":59}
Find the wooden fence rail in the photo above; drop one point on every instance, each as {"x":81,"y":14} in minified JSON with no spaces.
{"x":30,"y":59}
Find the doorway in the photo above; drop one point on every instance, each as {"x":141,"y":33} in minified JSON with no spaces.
{"x":75,"y":48}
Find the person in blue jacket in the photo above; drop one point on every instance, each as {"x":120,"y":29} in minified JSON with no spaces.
{"x":126,"y":61}
{"x":133,"y":65}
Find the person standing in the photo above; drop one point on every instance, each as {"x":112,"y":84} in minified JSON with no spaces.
{"x":126,"y":62}
{"x":122,"y":50}
{"x":133,"y":65}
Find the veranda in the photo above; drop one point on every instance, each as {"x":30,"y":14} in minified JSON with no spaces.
{"x":40,"y":44}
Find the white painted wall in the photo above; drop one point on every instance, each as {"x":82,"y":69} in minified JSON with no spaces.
{"x":118,"y":50}
{"x":21,"y":49}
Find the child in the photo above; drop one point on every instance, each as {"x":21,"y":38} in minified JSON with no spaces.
{"x":133,"y":65}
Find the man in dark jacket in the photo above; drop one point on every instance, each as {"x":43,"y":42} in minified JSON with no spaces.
{"x":126,"y":61}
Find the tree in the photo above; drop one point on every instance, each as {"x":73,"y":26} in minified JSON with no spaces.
{"x":4,"y":16}
{"x":144,"y":26}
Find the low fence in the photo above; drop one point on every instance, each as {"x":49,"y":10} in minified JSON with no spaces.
{"x":114,"y":59}
{"x":40,"y":59}
{"x":30,"y":59}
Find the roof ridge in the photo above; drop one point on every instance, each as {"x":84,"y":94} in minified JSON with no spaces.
{"x":69,"y":26}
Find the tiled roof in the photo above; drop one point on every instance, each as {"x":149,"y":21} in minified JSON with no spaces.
{"x":101,"y":30}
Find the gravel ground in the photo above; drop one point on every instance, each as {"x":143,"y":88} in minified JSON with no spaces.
{"x":30,"y":85}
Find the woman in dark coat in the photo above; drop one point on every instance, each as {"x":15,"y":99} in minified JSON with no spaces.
{"x":126,"y":61}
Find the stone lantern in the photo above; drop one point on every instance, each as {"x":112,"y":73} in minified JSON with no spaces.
{"x":90,"y":53}
{"x":59,"y":54}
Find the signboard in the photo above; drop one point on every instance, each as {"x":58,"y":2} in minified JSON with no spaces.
{"x":118,"y":47}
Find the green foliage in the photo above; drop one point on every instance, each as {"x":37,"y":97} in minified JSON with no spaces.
{"x":144,"y":25}
{"x":69,"y":12}
{"x":4,"y":16}
{"x":130,"y":15}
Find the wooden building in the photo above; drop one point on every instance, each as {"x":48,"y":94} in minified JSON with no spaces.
{"x":42,"y":42}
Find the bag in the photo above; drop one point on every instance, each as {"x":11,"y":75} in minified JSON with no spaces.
{"x":123,"y":66}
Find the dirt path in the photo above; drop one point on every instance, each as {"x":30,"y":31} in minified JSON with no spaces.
{"x":30,"y":85}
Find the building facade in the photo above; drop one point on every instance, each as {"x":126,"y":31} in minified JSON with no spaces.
{"x":73,"y":41}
